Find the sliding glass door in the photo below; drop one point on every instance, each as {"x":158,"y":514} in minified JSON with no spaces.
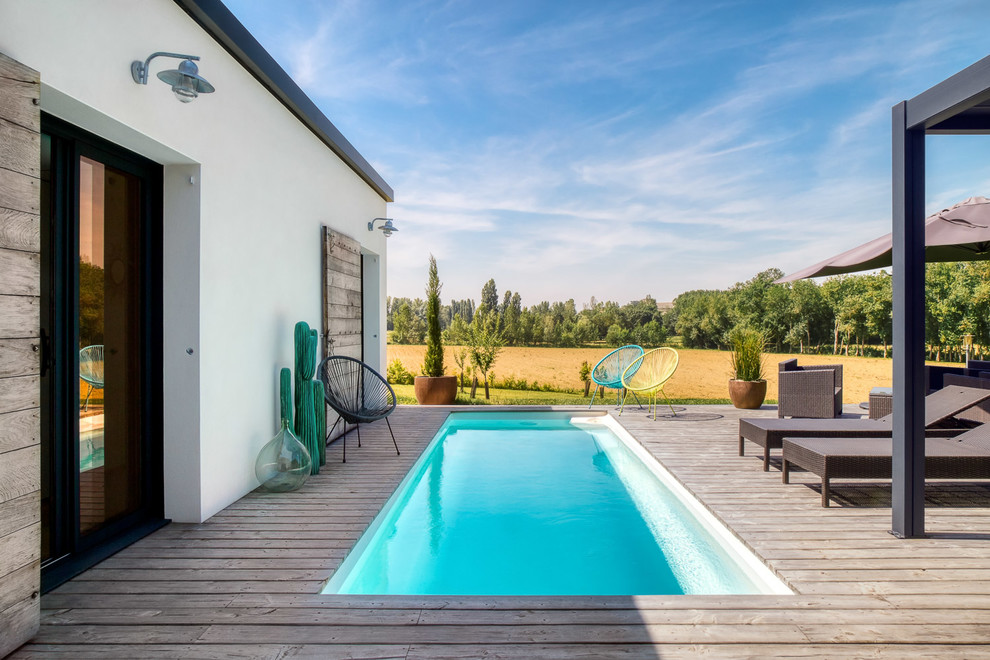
{"x":101,"y":319}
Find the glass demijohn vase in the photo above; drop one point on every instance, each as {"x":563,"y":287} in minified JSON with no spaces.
{"x":283,"y":464}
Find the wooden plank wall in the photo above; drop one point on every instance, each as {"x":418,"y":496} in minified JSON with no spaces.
{"x":342,"y":295}
{"x":20,"y":351}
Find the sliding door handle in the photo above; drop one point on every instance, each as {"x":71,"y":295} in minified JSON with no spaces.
{"x":46,"y":353}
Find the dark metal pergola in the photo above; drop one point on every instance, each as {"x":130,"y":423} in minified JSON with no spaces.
{"x":959,"y":105}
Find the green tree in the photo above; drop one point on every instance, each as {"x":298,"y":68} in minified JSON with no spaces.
{"x":460,"y":358}
{"x":486,"y":344}
{"x":617,"y":336}
{"x":511,"y":313}
{"x":458,"y":332}
{"x":90,"y":304}
{"x":584,"y":331}
{"x":489,"y":296}
{"x":433,"y":361}
{"x":651,"y":334}
{"x":809,"y":319}
{"x":402,"y":323}
{"x":702,"y":318}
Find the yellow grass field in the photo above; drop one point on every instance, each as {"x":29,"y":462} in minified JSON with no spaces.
{"x":701,"y":374}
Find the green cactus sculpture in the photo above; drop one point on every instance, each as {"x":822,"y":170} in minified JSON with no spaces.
{"x":285,"y":395}
{"x":306,"y":407}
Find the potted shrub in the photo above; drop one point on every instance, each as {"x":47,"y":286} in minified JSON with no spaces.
{"x":433,"y":388}
{"x":748,"y":387}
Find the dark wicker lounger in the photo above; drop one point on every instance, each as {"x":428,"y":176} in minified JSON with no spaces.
{"x":940,"y":405}
{"x":966,"y":456}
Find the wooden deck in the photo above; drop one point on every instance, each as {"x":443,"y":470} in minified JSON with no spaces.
{"x":246,"y":582}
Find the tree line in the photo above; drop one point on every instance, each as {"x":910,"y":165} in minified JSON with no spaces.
{"x":558,"y":324}
{"x":848,"y":315}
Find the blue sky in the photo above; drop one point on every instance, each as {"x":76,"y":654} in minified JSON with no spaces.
{"x":572,"y":149}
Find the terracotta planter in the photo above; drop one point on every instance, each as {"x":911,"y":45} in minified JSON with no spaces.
{"x":747,"y":394}
{"x":438,"y":391}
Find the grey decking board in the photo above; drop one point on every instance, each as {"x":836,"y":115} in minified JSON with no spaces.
{"x":905,"y":602}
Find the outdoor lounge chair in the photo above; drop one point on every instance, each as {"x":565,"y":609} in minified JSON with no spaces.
{"x":608,"y":372}
{"x":813,"y":391}
{"x":91,"y":369}
{"x":769,"y":433}
{"x":649,"y":373}
{"x":966,"y":456}
{"x":357,"y":393}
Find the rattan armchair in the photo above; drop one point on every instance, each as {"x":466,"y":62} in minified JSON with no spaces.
{"x":357,"y":393}
{"x":811,"y":391}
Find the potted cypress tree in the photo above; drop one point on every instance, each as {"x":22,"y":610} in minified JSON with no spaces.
{"x":433,"y":387}
{"x":748,"y":387}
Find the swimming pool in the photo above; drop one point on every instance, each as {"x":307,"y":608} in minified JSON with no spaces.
{"x":544,"y":504}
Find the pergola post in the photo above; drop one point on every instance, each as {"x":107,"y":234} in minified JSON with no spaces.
{"x":908,"y":497}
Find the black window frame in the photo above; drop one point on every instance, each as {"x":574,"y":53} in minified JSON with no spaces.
{"x":75,"y":552}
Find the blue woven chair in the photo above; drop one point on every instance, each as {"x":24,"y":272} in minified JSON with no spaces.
{"x":608,"y":372}
{"x":91,"y":369}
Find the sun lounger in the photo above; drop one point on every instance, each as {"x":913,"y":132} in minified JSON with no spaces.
{"x":940,"y":406}
{"x":966,"y":456}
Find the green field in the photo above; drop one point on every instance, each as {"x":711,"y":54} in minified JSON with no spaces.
{"x":404,"y":393}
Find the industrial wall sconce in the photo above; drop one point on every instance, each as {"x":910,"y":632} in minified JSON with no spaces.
{"x":185,"y":81}
{"x":387,"y":228}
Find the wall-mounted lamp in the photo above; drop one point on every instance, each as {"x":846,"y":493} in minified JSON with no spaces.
{"x":387,"y":228}
{"x":185,"y":81}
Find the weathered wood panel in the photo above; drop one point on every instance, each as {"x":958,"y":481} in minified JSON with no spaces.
{"x":19,"y":357}
{"x":20,"y":548}
{"x":21,"y":94}
{"x":19,"y":230}
{"x":343,"y":281}
{"x":20,"y":585}
{"x":339,"y":327}
{"x":20,"y":316}
{"x":20,"y":273}
{"x":19,"y":622}
{"x":20,"y":288}
{"x":20,"y":192}
{"x":19,"y":429}
{"x":17,"y":514}
{"x":18,"y":393}
{"x":342,"y":295}
{"x":345,"y":311}
{"x":20,"y":472}
{"x":21,"y":146}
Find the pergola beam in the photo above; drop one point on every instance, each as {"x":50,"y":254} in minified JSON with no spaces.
{"x":950,"y":97}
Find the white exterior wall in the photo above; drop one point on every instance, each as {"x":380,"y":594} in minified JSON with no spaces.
{"x":242,"y":246}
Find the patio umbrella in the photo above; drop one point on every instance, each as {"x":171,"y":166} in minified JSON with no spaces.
{"x":959,"y":233}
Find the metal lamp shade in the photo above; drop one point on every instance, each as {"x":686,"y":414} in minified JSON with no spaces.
{"x":186,"y":82}
{"x":388,"y":228}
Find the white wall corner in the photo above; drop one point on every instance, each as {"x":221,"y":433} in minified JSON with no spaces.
{"x":180,"y":350}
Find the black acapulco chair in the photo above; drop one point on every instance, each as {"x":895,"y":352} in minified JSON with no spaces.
{"x":357,"y":393}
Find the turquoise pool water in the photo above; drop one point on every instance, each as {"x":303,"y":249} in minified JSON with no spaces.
{"x":539,"y":504}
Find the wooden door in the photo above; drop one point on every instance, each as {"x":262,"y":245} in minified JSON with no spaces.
{"x":343,"y":320}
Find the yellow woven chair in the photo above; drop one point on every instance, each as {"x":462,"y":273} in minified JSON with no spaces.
{"x":649,"y":373}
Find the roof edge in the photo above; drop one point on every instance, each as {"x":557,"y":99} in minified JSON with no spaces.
{"x":218,"y":21}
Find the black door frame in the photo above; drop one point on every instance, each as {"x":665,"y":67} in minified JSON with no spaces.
{"x":60,"y":364}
